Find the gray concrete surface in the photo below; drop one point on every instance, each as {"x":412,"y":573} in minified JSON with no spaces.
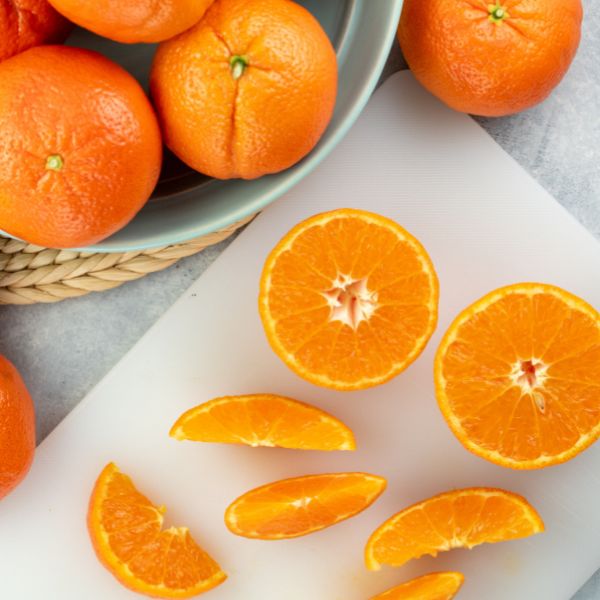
{"x":64,"y":349}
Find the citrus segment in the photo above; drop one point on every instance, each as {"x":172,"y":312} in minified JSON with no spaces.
{"x":263,"y":420}
{"x":518,"y":376}
{"x":127,"y":535}
{"x":348,"y":299}
{"x":433,"y":586}
{"x":457,"y":519}
{"x":302,"y":505}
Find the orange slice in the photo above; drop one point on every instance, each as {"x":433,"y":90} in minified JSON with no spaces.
{"x":263,"y":420}
{"x":301,"y":505}
{"x":457,"y":519}
{"x":348,"y":299}
{"x":518,"y":376}
{"x":126,"y":532}
{"x":434,"y":586}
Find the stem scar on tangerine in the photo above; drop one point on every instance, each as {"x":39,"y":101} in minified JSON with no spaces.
{"x":54,"y":162}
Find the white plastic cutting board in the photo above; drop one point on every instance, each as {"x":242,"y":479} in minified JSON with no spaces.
{"x":485,"y":223}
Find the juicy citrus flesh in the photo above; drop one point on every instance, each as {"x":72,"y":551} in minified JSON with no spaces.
{"x":490,"y":57}
{"x":518,"y":376}
{"x":263,"y":420}
{"x":17,"y":428}
{"x":302,"y":505}
{"x":134,"y":21}
{"x":433,"y":586}
{"x":457,"y":519}
{"x":348,"y":299}
{"x":28,"y":23}
{"x":81,"y":146}
{"x":127,"y":535}
{"x":248,"y":91}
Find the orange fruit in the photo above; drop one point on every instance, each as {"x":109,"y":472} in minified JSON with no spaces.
{"x":133,"y":21}
{"x":263,"y":420}
{"x":517,"y":376}
{"x":487,"y":57}
{"x":248,"y":91}
{"x":17,"y":428}
{"x":348,"y":299}
{"x":28,"y":23}
{"x":127,"y":535}
{"x":80,"y":147}
{"x":302,"y":505}
{"x":456,"y":519}
{"x":433,"y":586}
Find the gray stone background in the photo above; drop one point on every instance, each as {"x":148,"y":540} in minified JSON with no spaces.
{"x":64,"y":349}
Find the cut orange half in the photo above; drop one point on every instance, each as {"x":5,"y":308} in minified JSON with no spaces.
{"x":127,"y":535}
{"x":457,"y":519}
{"x":263,"y":420}
{"x":348,"y":299}
{"x":302,"y":505}
{"x":518,"y":376}
{"x":434,"y":586}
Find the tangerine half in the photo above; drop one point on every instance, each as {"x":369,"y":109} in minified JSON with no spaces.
{"x":517,"y":376}
{"x":348,"y":299}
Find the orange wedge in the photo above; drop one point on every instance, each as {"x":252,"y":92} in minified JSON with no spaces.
{"x":518,"y":376}
{"x":457,"y":519}
{"x":434,"y":586}
{"x":263,"y":420}
{"x":348,"y":299}
{"x":126,"y":532}
{"x":301,"y":505}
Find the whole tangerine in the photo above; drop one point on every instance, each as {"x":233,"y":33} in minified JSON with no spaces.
{"x":28,"y":23}
{"x":248,"y":91}
{"x":490,"y":58}
{"x":133,"y":21}
{"x":17,"y":428}
{"x":80,"y":147}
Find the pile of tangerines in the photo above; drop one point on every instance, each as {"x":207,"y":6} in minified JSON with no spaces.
{"x":239,"y":89}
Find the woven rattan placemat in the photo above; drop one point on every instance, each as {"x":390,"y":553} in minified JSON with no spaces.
{"x":30,"y":274}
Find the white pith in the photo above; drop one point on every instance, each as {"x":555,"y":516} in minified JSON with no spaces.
{"x":530,"y":375}
{"x":302,"y":502}
{"x":350,"y":300}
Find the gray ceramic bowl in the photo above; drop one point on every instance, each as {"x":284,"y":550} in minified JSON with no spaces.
{"x":187,"y":204}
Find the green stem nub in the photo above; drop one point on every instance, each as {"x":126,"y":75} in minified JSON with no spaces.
{"x":238,"y":65}
{"x":54,"y":162}
{"x":497,"y":13}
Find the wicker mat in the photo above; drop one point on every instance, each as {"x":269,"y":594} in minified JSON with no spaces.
{"x":30,"y":274}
